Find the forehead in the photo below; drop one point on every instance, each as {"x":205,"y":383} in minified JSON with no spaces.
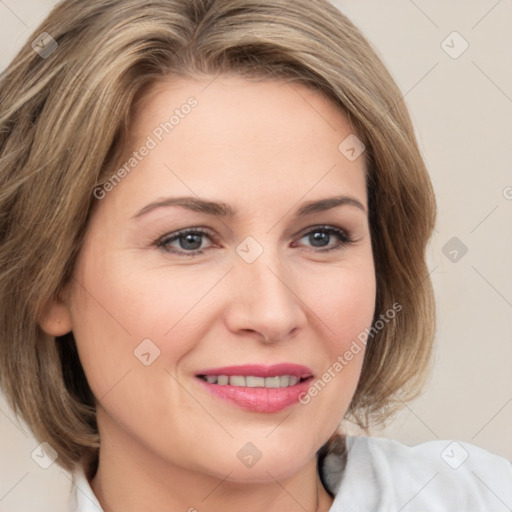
{"x":254,"y":141}
{"x":231,"y":108}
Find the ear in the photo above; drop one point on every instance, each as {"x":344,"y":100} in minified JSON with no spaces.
{"x":56,"y":318}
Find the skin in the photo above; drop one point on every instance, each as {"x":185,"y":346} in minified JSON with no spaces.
{"x":264,"y":147}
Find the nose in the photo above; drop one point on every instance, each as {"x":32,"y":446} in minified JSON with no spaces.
{"x":264,"y":300}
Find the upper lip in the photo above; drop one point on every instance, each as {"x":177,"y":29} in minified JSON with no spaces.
{"x":258,"y":370}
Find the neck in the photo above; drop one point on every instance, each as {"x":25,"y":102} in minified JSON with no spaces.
{"x":131,"y":480}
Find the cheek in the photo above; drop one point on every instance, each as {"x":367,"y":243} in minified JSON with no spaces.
{"x":344,"y":302}
{"x":125,"y":317}
{"x":344,"y":307}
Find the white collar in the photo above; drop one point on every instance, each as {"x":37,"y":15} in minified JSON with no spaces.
{"x":82,"y":497}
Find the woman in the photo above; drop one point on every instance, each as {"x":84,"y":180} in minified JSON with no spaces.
{"x":214,"y":217}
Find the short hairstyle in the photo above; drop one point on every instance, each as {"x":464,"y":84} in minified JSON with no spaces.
{"x":64,"y":119}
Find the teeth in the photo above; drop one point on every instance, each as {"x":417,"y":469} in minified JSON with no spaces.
{"x":255,"y":382}
{"x":237,"y":381}
{"x":272,"y":382}
{"x":222,"y":380}
{"x":279,"y":381}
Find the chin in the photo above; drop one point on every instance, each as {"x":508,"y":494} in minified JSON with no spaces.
{"x":267,"y":464}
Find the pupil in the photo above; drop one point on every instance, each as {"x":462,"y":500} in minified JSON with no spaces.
{"x":319,"y":236}
{"x":189,"y":239}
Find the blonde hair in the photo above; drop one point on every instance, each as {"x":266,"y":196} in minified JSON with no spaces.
{"x":63,"y":123}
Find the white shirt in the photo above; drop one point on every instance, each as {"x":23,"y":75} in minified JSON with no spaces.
{"x":383,"y":475}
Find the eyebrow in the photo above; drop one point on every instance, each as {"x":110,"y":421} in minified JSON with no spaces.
{"x":222,"y":209}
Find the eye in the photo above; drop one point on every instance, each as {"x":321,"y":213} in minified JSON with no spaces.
{"x":189,"y":241}
{"x":320,"y":238}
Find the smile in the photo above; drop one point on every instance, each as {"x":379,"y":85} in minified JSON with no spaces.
{"x":257,"y":388}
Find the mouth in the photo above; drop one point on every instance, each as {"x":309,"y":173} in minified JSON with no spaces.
{"x":258,"y":388}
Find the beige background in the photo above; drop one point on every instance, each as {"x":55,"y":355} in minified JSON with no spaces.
{"x":462,"y":109}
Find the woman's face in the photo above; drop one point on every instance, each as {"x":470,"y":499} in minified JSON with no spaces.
{"x":163,"y":320}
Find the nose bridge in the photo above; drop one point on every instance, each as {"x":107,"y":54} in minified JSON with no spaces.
{"x":264,"y":300}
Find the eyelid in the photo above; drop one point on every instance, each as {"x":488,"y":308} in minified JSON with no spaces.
{"x":324,"y":227}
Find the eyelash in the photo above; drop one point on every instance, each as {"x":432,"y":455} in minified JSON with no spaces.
{"x":162,"y":242}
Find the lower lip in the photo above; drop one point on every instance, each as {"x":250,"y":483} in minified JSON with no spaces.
{"x":259,"y":399}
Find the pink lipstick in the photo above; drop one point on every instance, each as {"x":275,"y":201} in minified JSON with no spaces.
{"x":257,"y":388}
